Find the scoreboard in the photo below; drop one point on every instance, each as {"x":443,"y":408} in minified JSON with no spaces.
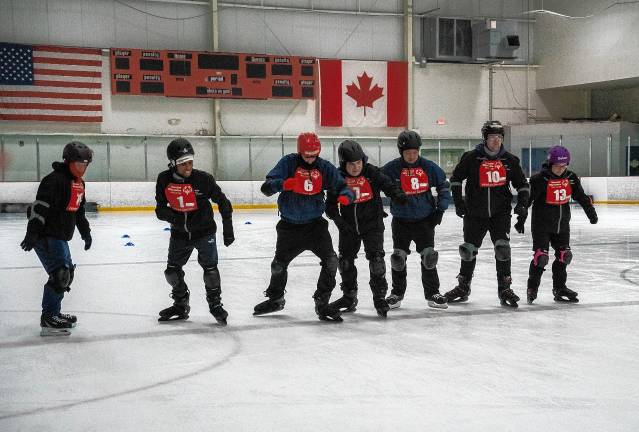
{"x":212,"y":74}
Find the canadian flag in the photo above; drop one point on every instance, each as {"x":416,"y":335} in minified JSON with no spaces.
{"x":363,"y":93}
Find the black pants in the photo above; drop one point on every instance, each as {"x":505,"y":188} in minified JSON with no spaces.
{"x":422,"y":232}
{"x":559,"y":242}
{"x":349,"y":245}
{"x":292,"y":240}
{"x":475,"y":229}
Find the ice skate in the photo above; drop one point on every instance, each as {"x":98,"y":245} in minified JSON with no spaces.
{"x":531,"y":294}
{"x":70,"y":318}
{"x":437,"y":301}
{"x":53,"y":325}
{"x":381,"y":306}
{"x":219,"y":313}
{"x":461,"y":292}
{"x":394,"y":301}
{"x":565,"y":295}
{"x":269,"y":306}
{"x":345,"y":304}
{"x":326,"y":312}
{"x":174,"y":313}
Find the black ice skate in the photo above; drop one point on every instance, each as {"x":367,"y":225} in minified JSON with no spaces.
{"x":461,"y":292}
{"x":326,"y":312}
{"x":437,"y":301}
{"x":219,"y":313}
{"x":381,"y":306}
{"x":345,"y":304}
{"x":180,"y":309}
{"x":269,"y":306}
{"x":394,"y":301}
{"x":565,"y":295}
{"x":53,"y":325}
{"x":507,"y":296}
{"x":70,"y":318}
{"x":531,"y":294}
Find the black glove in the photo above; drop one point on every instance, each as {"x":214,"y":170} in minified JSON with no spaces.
{"x":401,"y":198}
{"x":87,"y":241}
{"x":592,"y":215}
{"x":519,"y":226}
{"x":460,"y":208}
{"x":29,"y":242}
{"x":343,"y":226}
{"x":227,"y":231}
{"x":521,"y":210}
{"x":436,"y":217}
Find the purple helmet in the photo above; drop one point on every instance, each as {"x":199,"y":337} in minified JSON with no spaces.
{"x":558,"y":155}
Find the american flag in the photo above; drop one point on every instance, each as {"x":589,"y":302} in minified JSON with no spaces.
{"x":50,"y":83}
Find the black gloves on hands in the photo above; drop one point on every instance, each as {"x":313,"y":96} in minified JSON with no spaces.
{"x":592,"y":215}
{"x":521,"y":210}
{"x":460,"y":208}
{"x":29,"y":242}
{"x":519,"y":226}
{"x":227,"y":231}
{"x":88,"y":241}
{"x":437,"y":217}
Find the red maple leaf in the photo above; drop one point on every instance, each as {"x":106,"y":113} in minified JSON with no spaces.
{"x":364,"y":95}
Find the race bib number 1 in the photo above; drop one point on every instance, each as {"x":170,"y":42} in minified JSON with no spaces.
{"x":361,"y":188}
{"x":558,"y":191}
{"x":77,"y":193}
{"x":492,"y":173}
{"x":181,"y":197}
{"x":414,"y":181}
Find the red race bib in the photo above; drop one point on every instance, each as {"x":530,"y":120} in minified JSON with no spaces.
{"x":77,"y":193}
{"x":307,"y":182}
{"x":181,"y":197}
{"x":361,"y":188}
{"x":558,"y":191}
{"x":414,"y":181}
{"x":492,"y":173}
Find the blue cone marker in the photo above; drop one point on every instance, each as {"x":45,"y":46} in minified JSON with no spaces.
{"x":129,"y":244}
{"x":248,"y":223}
{"x":125,"y":236}
{"x":167,"y":229}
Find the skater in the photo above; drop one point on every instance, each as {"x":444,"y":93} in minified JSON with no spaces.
{"x":57,"y":210}
{"x":361,"y":221}
{"x":301,"y":179}
{"x":182,"y":194}
{"x":550,"y":193}
{"x":488,"y":170}
{"x":415,"y":220}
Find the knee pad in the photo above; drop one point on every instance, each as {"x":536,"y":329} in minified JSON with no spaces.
{"x":60,"y":279}
{"x":540,"y":258}
{"x":344,"y":264}
{"x":211,"y":278}
{"x":502,"y":250}
{"x":330,"y":263}
{"x":278,"y":267}
{"x":377,"y":266}
{"x":468,"y":251}
{"x":429,"y":258}
{"x":398,"y":259}
{"x":564,"y":255}
{"x":174,"y":275}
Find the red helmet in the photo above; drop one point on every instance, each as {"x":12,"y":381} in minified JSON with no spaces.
{"x":308,"y":144}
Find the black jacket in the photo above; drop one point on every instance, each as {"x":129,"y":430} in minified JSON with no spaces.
{"x":488,"y":201}
{"x":366,"y":215}
{"x":555,"y":218}
{"x":191,"y":222}
{"x":53,"y":214}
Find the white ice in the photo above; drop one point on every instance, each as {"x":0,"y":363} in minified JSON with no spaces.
{"x":475,"y":366}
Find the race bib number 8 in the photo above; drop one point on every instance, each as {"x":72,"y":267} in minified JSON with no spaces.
{"x":414,"y":181}
{"x":77,"y":193}
{"x":492,"y":173}
{"x":181,"y":197}
{"x":558,"y":191}
{"x":308,"y":182}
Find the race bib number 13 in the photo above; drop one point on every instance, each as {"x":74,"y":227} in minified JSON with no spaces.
{"x":558,"y":191}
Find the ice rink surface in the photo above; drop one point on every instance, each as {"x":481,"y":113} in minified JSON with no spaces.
{"x":475,"y":366}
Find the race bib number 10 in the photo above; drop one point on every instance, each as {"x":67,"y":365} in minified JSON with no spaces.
{"x":492,"y":173}
{"x":181,"y":197}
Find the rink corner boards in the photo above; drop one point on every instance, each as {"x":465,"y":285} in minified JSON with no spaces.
{"x":152,"y":208}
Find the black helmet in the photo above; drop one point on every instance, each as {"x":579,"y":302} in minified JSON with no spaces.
{"x":179,"y":151}
{"x":76,"y":151}
{"x":350,"y":151}
{"x":492,"y":127}
{"x":408,"y":140}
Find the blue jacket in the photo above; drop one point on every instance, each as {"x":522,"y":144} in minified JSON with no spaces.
{"x":422,"y":205}
{"x":297,"y":208}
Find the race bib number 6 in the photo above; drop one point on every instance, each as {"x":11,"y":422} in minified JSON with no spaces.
{"x":492,"y":173}
{"x":558,"y":191}
{"x":414,"y":181}
{"x":307,"y":182}
{"x":181,"y":197}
